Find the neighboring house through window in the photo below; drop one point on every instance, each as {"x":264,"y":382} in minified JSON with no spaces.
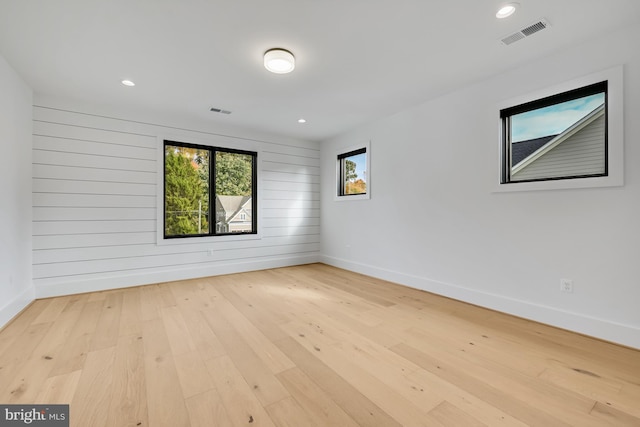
{"x":233,"y":214}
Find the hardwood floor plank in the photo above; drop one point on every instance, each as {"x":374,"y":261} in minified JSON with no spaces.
{"x":458,"y":373}
{"x":391,"y":392}
{"x":91,"y":401}
{"x":24,"y":345}
{"x":88,"y":320}
{"x":154,"y":338}
{"x":19,"y":373}
{"x":59,"y":389}
{"x":76,"y":302}
{"x":613,"y":417}
{"x":314,"y":400}
{"x":450,"y":415}
{"x":351,"y":400}
{"x":165,"y":296}
{"x":240,"y":403}
{"x":150,"y":303}
{"x":52,"y":310}
{"x":303,"y":346}
{"x":164,"y":394}
{"x":128,"y":405}
{"x":475,"y":406}
{"x":206,"y":410}
{"x":73,"y":355}
{"x":288,"y":413}
{"x":204,"y":339}
{"x":271,"y":355}
{"x":350,"y":287}
{"x":264,"y":385}
{"x":20,"y":323}
{"x":190,"y":368}
{"x":627,"y":400}
{"x":177,"y":331}
{"x":39,"y":364}
{"x":249,"y":305}
{"x":108,"y":326}
{"x":130,"y":315}
{"x":166,"y":403}
{"x":191,"y":295}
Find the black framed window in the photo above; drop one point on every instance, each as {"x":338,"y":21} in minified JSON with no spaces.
{"x":563,"y":136}
{"x":352,"y":172}
{"x":208,"y":191}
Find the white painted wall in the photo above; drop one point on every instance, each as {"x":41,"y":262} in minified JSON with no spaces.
{"x":95,"y":200}
{"x":507,"y":251}
{"x":16,"y":287}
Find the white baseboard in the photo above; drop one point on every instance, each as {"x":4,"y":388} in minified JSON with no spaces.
{"x":626,"y":335}
{"x":106,"y":282}
{"x":12,"y":308}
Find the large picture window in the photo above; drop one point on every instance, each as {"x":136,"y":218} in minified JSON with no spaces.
{"x":563,"y":136}
{"x":208,"y":191}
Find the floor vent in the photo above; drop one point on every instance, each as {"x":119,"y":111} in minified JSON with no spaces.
{"x":525,"y":32}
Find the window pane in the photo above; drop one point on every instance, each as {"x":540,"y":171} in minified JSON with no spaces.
{"x":563,"y":140}
{"x":354,"y":174}
{"x":234,"y":187}
{"x":186,"y":191}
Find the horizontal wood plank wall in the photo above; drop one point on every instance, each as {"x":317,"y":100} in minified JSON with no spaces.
{"x":94,"y":206}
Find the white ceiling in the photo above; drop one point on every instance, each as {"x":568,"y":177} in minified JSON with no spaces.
{"x":357,"y":60}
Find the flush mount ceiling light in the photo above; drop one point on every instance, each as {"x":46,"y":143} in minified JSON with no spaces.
{"x":302,"y":121}
{"x":279,"y":61}
{"x":507,"y":10}
{"x":128,"y":83}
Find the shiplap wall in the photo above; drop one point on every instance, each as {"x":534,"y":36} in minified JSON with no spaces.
{"x":95,"y":181}
{"x":581,"y":154}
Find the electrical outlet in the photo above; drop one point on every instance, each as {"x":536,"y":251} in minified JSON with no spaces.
{"x":566,"y":285}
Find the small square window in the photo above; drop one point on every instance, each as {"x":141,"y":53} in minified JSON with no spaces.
{"x":563,"y":136}
{"x":353,"y":174}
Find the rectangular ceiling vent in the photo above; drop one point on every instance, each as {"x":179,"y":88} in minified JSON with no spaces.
{"x":525,"y":32}
{"x":220,"y":110}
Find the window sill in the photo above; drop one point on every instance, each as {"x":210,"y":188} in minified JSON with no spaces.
{"x":561,"y":184}
{"x":161,"y":241}
{"x":354,"y":197}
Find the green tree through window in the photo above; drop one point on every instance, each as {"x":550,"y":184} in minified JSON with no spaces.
{"x":233,"y":174}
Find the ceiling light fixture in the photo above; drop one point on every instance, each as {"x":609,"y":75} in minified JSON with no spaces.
{"x":128,"y":83}
{"x":507,"y":10}
{"x":302,"y":121}
{"x":279,"y":61}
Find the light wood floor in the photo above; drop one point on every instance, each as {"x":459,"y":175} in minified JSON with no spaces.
{"x":307,"y":346}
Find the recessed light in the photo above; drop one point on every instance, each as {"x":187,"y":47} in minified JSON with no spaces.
{"x":128,"y":83}
{"x":279,"y":61}
{"x":302,"y":121}
{"x":507,"y":10}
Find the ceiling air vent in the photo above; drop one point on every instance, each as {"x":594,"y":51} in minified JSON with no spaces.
{"x":221,"y":111}
{"x":525,"y":32}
